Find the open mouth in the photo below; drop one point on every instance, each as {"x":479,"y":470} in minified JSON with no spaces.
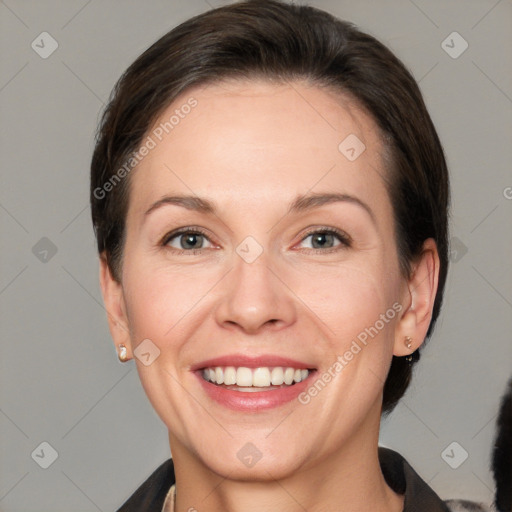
{"x":249,"y":380}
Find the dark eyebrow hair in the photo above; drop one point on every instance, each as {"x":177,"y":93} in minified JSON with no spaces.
{"x":300,"y":203}
{"x":309,"y":201}
{"x":189,"y":202}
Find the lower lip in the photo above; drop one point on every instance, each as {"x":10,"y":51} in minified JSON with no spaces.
{"x":253,"y":401}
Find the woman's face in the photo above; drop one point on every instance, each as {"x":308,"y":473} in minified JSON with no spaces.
{"x":286,"y":258}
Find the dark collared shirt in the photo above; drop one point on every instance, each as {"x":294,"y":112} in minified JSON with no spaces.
{"x":419,"y":497}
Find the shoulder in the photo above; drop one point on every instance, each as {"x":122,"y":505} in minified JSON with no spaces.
{"x":402,"y":478}
{"x":419,"y":496}
{"x":151,"y":493}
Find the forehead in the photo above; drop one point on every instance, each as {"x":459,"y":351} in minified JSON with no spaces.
{"x":260,"y":140}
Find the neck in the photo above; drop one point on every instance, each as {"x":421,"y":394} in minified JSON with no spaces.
{"x":349,"y":479}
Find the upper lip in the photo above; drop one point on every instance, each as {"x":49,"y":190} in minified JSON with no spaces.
{"x":238,"y":360}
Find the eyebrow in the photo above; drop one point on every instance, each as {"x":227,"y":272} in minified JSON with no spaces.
{"x":301,"y":203}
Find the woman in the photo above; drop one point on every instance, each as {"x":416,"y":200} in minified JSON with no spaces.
{"x":270,"y":200}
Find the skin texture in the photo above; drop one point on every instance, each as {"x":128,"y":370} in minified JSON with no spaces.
{"x":251,"y":148}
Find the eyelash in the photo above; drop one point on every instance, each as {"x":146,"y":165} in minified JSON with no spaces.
{"x":344,"y":239}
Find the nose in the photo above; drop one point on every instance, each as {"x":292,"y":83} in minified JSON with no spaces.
{"x":256,"y":298}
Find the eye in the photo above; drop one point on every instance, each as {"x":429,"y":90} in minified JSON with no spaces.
{"x":186,"y":240}
{"x":328,"y":239}
{"x":192,"y":240}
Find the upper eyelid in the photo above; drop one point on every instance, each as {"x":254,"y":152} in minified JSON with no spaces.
{"x":337,"y":232}
{"x":181,"y":231}
{"x":344,"y":238}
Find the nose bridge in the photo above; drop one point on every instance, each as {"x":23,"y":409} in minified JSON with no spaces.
{"x":255,"y":296}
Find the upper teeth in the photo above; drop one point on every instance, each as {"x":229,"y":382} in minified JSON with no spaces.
{"x":258,"y":377}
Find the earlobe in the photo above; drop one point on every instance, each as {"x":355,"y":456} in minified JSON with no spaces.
{"x":113,"y":299}
{"x":411,"y":329}
{"x":406,"y":341}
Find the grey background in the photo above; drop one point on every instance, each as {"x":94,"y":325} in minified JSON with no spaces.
{"x":60,"y":379}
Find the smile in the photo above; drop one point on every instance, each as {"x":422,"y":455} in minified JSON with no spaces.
{"x":245,"y":379}
{"x":253,"y":384}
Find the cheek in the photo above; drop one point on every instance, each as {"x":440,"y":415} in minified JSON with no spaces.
{"x":357,"y":306}
{"x":159,"y":299}
{"x":160,"y":306}
{"x":349,"y":298}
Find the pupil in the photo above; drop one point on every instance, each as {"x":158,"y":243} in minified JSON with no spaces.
{"x":189,"y":239}
{"x":321,"y":239}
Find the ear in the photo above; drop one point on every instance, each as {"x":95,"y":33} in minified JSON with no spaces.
{"x":113,"y":297}
{"x":419,"y":293}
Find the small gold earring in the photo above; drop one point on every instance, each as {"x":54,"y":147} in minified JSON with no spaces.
{"x":408,"y":341}
{"x":122,"y":354}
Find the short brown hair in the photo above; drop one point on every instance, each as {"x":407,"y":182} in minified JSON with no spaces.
{"x":277,"y":41}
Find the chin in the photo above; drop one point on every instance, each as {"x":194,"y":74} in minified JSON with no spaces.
{"x":249,"y":464}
